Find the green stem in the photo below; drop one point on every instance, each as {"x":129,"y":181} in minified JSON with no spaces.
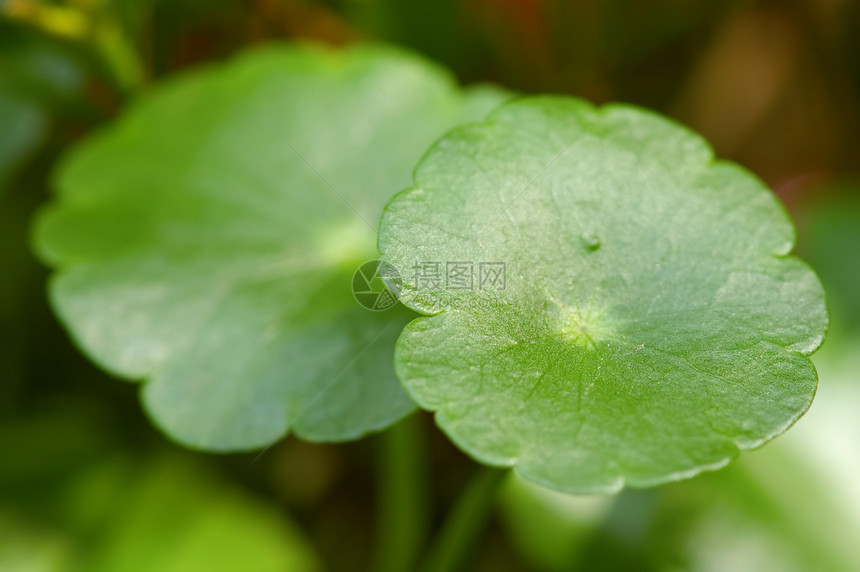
{"x":465,"y":522}
{"x":403,"y":497}
{"x":120,"y":56}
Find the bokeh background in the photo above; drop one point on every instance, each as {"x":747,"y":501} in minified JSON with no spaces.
{"x":86,"y":483}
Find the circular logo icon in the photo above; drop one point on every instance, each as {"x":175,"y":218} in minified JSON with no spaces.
{"x":375,"y":285}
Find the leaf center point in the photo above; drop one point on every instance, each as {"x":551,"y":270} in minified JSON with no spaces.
{"x":584,"y":327}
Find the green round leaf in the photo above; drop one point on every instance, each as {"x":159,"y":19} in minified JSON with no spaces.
{"x":608,"y":303}
{"x":206,"y":242}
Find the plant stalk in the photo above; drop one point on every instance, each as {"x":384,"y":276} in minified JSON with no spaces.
{"x":402,"y":521}
{"x":465,"y":522}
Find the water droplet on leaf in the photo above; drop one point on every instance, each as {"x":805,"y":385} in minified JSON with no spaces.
{"x":591,"y":240}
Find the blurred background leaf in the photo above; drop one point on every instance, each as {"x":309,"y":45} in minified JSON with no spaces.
{"x":141,"y":514}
